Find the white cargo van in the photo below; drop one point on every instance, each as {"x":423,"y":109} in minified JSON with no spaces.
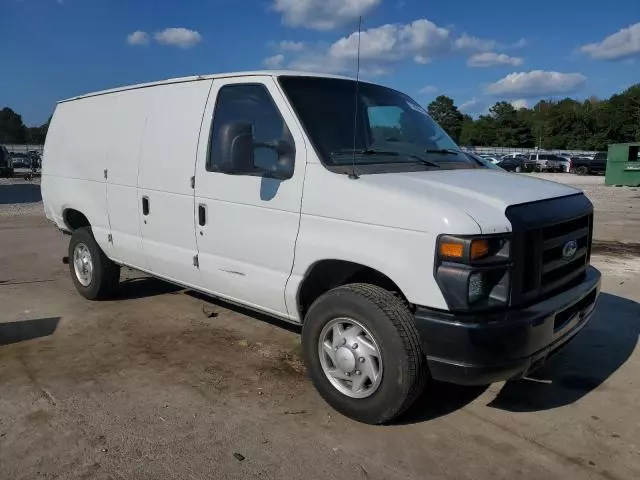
{"x":403,"y":259}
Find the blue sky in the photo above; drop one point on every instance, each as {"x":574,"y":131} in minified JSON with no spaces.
{"x":475,"y":52}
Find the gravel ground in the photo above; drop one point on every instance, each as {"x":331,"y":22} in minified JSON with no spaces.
{"x":166,"y":384}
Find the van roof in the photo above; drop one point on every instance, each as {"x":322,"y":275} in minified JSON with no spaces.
{"x":194,"y":78}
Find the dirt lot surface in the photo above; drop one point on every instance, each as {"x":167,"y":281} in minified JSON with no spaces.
{"x":163,"y":383}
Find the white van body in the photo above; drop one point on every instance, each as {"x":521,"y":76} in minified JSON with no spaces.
{"x":111,"y":154}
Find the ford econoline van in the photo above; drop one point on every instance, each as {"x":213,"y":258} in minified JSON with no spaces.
{"x":337,"y":205}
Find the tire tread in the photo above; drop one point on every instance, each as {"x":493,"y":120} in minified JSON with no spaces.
{"x":397,"y":310}
{"x":393,"y":307}
{"x":107,"y":273}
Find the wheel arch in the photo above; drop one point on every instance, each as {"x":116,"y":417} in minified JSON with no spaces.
{"x":326,"y":274}
{"x":74,"y":219}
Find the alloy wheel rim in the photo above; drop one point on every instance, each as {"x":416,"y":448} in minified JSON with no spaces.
{"x":350,"y":357}
{"x":83,"y":264}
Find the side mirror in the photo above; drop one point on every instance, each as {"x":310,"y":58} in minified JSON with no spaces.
{"x":283,"y":168}
{"x":237,"y":149}
{"x":236,"y":140}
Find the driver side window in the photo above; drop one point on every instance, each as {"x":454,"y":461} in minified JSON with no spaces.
{"x":250,"y":103}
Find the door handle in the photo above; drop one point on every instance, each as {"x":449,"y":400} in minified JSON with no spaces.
{"x":145,"y":206}
{"x":202,"y":215}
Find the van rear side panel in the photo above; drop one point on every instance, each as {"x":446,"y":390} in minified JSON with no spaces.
{"x":74,"y":161}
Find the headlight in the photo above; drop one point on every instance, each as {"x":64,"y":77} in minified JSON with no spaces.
{"x":473,"y":249}
{"x":473,"y":272}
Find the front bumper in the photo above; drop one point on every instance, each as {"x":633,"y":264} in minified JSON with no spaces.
{"x":493,"y":347}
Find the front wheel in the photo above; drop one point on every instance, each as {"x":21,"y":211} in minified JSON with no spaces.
{"x":518,"y":169}
{"x":362,"y":351}
{"x":93,"y":274}
{"x":582,"y":170}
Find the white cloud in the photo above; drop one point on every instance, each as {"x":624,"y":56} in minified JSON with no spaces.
{"x":472,"y":106}
{"x":322,"y":14}
{"x":489,"y":59}
{"x":536,"y":82}
{"x":274,"y":62}
{"x":623,"y":43}
{"x":138,"y":38}
{"x":178,"y":37}
{"x":421,"y":41}
{"x":428,"y":89}
{"x":467,"y":42}
{"x":380,"y":43}
{"x":520,"y":43}
{"x":518,"y":104}
{"x":290,"y":46}
{"x":425,"y":39}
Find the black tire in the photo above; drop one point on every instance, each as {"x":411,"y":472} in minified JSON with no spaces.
{"x":582,"y":170}
{"x":105,"y":275}
{"x":388,"y":318}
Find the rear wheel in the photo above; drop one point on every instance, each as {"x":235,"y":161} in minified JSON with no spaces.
{"x":93,"y":274}
{"x":518,"y":169}
{"x":582,"y":170}
{"x":362,"y":351}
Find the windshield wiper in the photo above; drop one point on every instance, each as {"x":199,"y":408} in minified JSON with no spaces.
{"x":364,"y":151}
{"x":445,"y":151}
{"x":387,"y":153}
{"x":427,"y":163}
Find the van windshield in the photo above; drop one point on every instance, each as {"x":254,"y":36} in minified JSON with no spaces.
{"x":390,"y":128}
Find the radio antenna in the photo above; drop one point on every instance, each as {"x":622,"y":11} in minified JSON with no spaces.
{"x":353,"y":175}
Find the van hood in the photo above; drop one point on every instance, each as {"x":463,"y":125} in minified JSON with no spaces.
{"x":482,"y":194}
{"x":448,"y":201}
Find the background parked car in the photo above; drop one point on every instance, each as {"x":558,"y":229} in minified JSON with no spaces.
{"x":586,"y":165}
{"x":20,"y":160}
{"x":35,"y":160}
{"x":547,"y":162}
{"x":517,"y":164}
{"x":484,"y":161}
{"x":495,"y":159}
{"x":513,"y":155}
{"x":6,"y":168}
{"x":565,"y":161}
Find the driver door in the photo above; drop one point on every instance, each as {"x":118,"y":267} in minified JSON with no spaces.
{"x":247,"y":223}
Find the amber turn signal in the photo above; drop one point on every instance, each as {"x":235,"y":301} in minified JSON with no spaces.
{"x":452,"y":250}
{"x":479,"y":249}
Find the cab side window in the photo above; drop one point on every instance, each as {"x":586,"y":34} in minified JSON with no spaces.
{"x":242,"y":111}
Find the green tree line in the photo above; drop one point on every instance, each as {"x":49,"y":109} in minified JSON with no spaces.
{"x":570,"y":124}
{"x":13,"y":129}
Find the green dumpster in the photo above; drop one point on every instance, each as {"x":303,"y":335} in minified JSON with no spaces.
{"x":623,"y":165}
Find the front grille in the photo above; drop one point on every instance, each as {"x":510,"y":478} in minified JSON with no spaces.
{"x":547,"y":271}
{"x":541,"y":231}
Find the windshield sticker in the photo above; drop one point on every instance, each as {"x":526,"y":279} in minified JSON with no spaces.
{"x":416,"y":107}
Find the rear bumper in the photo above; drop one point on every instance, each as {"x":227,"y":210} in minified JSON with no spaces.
{"x":501,"y":346}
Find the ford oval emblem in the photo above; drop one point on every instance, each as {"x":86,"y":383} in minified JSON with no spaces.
{"x":569,"y":249}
